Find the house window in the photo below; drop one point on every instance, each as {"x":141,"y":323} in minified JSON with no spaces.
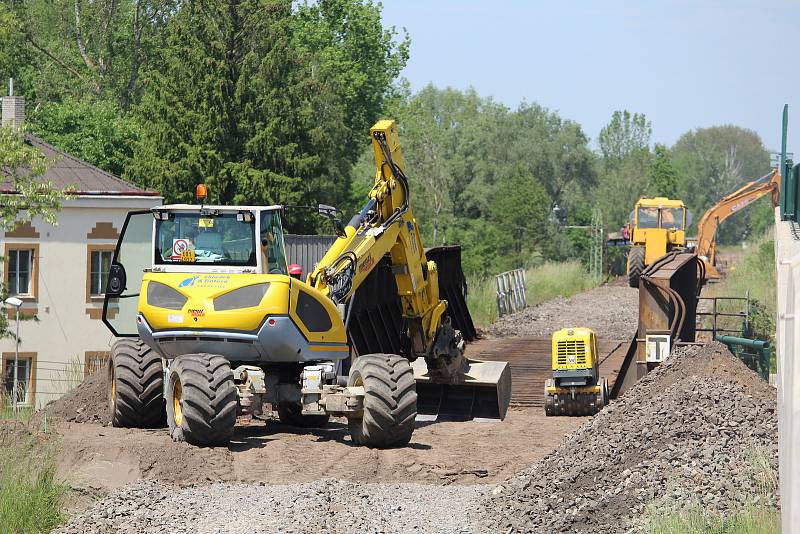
{"x":99,"y":264}
{"x":94,"y":362}
{"x":20,"y":272}
{"x":24,"y":378}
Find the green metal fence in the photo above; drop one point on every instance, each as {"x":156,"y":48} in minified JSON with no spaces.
{"x":790,"y":177}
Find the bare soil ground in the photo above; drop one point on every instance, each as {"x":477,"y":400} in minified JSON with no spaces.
{"x":307,"y":473}
{"x":97,"y":458}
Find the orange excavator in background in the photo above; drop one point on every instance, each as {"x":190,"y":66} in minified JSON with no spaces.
{"x":730,"y":204}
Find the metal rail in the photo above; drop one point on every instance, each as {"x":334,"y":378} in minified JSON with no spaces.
{"x":530,"y":360}
{"x":715,"y":314}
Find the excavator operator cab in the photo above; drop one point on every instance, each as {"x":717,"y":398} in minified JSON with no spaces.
{"x":655,"y":226}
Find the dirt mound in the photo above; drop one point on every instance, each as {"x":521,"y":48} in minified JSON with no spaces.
{"x":693,"y":430}
{"x":88,"y":403}
{"x":610,"y":310}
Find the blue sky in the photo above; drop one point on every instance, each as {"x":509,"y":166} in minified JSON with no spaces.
{"x":684,"y":64}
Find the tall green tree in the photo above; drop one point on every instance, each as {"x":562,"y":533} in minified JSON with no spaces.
{"x":623,"y":167}
{"x":626,"y":135}
{"x":98,"y":132}
{"x":712,"y":162}
{"x":520,"y":206}
{"x":240,"y":105}
{"x":74,"y":48}
{"x":662,"y":175}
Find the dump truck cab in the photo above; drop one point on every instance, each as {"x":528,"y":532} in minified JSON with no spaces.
{"x":655,"y":226}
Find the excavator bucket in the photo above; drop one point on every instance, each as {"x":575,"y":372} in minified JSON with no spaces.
{"x":376,"y":326}
{"x":483,"y":393}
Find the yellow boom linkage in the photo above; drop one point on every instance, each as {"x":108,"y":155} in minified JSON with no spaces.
{"x":386,"y":225}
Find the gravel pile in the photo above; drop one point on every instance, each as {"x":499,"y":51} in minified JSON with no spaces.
{"x":322,"y":506}
{"x":611,"y":310}
{"x":691,"y":431}
{"x":88,"y":403}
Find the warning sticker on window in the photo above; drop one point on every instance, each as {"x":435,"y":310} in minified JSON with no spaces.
{"x":182,"y":250}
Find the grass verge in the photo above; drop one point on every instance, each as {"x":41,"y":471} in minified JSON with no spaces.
{"x":31,"y":498}
{"x":753,"y":273}
{"x":761,"y":516}
{"x":542,"y":283}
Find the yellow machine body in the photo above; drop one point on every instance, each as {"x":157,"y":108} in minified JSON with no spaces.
{"x":576,"y":387}
{"x":659,"y":225}
{"x":216,"y":304}
{"x":272,"y":324}
{"x":574,"y":348}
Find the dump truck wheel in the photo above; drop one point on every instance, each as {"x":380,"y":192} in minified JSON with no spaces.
{"x":635,"y":265}
{"x":291,"y":415}
{"x":390,"y":400}
{"x":135,"y":385}
{"x":201,"y":399}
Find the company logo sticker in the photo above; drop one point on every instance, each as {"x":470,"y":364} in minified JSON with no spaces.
{"x":188,"y":282}
{"x":211,"y":281}
{"x":194,"y":312}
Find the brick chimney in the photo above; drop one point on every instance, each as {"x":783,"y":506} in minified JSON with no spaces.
{"x":13,"y":108}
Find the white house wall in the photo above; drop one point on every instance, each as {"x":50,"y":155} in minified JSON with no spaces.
{"x":65,"y":331}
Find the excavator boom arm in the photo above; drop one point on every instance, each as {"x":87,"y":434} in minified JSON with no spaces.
{"x":447,"y":383}
{"x":386,"y":225}
{"x":730,"y":204}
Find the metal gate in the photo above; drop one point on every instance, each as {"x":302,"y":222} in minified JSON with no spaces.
{"x":511,"y":291}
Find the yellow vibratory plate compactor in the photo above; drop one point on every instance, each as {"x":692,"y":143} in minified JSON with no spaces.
{"x":576,"y":387}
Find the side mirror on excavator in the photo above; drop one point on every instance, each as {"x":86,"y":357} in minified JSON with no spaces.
{"x":116,"y":280}
{"x":329,"y":212}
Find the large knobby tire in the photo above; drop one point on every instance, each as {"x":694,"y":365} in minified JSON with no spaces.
{"x":390,"y":400}
{"x":201,"y":399}
{"x":291,"y":414}
{"x":635,"y":265}
{"x":135,"y":385}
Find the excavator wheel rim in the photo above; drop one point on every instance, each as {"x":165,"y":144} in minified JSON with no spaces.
{"x":177,"y":401}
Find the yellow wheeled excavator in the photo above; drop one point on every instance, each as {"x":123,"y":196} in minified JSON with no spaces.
{"x":576,"y":387}
{"x":213,"y":326}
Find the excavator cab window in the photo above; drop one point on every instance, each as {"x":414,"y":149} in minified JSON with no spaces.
{"x":272,"y":244}
{"x":647,"y":218}
{"x":672,"y":218}
{"x":192,"y":237}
